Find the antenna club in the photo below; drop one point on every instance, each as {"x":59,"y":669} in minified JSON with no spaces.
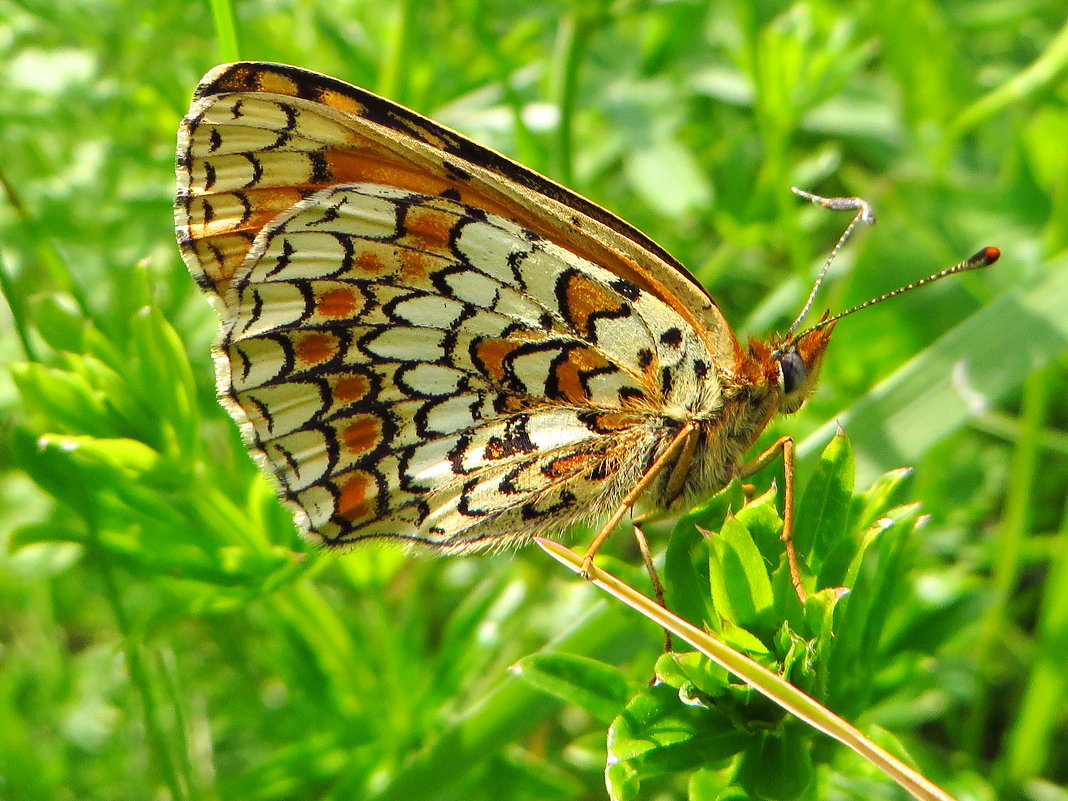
{"x":986,"y":256}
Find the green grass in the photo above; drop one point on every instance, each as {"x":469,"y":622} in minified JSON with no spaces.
{"x":165,"y":634}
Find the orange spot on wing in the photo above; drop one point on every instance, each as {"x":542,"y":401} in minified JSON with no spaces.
{"x":370,"y":262}
{"x":428,"y":229}
{"x":350,"y":164}
{"x":269,"y":201}
{"x":351,"y":387}
{"x":583,"y":297}
{"x":358,"y":494}
{"x":617,"y":421}
{"x":341,"y":302}
{"x":425,"y":135}
{"x":564,"y":466}
{"x":569,"y":373}
{"x":491,"y":353}
{"x":416,"y":265}
{"x":362,"y":434}
{"x":270,"y":81}
{"x":368,"y":162}
{"x":314,"y":348}
{"x":341,"y":102}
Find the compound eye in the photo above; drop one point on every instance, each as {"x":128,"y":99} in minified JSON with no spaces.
{"x":794,"y":372}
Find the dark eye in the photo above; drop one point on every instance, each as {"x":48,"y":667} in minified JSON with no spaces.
{"x":794,"y":371}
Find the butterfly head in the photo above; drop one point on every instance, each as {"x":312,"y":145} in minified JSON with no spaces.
{"x":781,"y":373}
{"x":796,"y":363}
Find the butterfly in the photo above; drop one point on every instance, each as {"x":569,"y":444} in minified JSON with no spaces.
{"x":423,"y":341}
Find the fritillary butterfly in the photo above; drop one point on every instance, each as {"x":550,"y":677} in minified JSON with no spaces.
{"x":424,"y":341}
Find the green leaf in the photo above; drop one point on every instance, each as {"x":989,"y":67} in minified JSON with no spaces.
{"x":658,"y":734}
{"x":744,"y":640}
{"x":863,"y":612}
{"x":164,"y":369}
{"x":741,"y":586}
{"x":58,"y":320}
{"x":692,"y":668}
{"x":777,"y":767}
{"x":820,"y":522}
{"x":127,"y":455}
{"x":61,"y":401}
{"x":708,"y":785}
{"x":668,"y":178}
{"x":598,"y":688}
{"x":41,"y":533}
{"x":686,"y":560}
{"x":871,"y":504}
{"x":761,"y":517}
{"x":129,"y":415}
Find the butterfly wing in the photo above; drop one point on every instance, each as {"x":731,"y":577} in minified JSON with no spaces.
{"x":408,"y":366}
{"x":259,"y":137}
{"x":420,"y":338}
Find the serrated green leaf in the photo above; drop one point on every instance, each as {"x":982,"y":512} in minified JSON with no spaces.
{"x":598,"y":688}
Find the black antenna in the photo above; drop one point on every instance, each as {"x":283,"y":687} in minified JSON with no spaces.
{"x":984,"y":258}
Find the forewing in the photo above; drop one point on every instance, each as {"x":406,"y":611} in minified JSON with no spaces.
{"x":260,"y":137}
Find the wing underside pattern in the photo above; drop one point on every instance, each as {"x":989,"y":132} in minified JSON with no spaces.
{"x":408,"y":366}
{"x":422,"y":339}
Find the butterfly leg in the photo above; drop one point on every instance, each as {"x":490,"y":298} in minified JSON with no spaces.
{"x":650,"y":568}
{"x":677,"y":445}
{"x":785,"y":445}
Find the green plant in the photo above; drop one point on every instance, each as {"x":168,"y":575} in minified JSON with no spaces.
{"x":162,"y":630}
{"x":725,"y":714}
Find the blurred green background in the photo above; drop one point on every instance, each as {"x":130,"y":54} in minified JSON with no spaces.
{"x":163,"y":631}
